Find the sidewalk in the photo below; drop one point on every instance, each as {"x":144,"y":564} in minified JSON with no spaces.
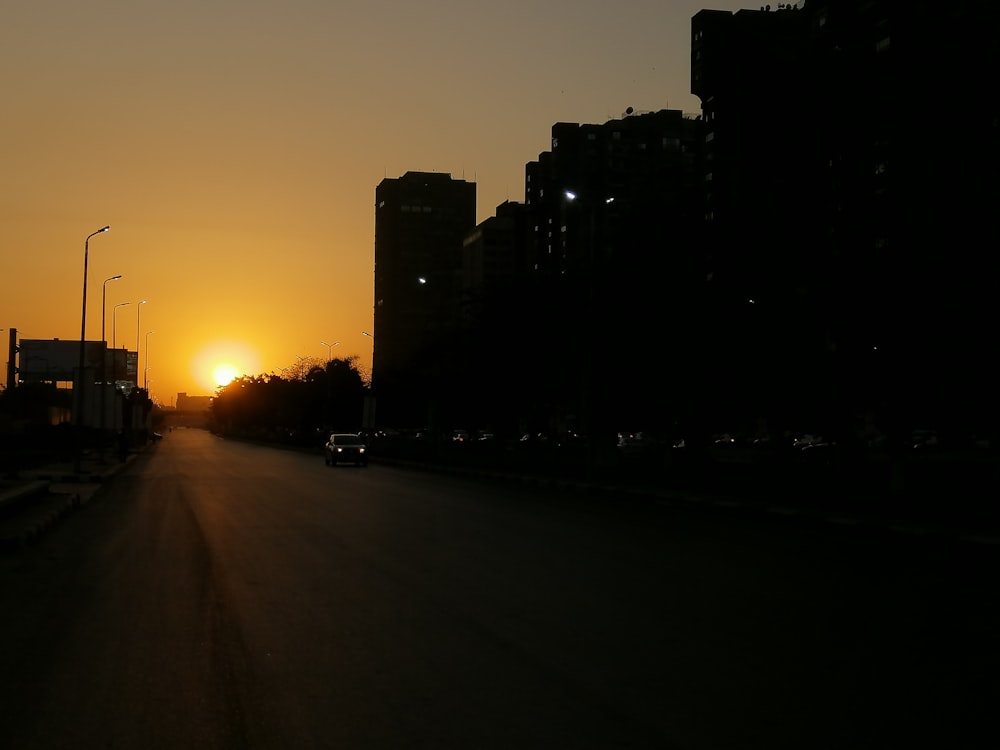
{"x":40,"y":497}
{"x":934,"y":518}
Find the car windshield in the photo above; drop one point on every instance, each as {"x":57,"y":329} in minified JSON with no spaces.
{"x":345,"y":440}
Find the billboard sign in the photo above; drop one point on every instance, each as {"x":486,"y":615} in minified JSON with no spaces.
{"x":53,"y":360}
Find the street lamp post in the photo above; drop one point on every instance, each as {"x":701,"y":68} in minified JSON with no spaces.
{"x":138,"y":309}
{"x":592,"y":226}
{"x":372,"y":337}
{"x":104,"y":303}
{"x":83,"y":321}
{"x":329,"y":349}
{"x":114,"y":332}
{"x":104,"y":353}
{"x":145,"y":371}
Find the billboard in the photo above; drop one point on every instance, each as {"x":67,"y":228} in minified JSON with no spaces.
{"x":53,"y":360}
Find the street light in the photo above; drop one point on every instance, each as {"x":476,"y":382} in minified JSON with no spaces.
{"x":114,"y":323}
{"x":138,"y":309}
{"x":146,"y":369}
{"x":104,"y":352}
{"x":329,"y":349}
{"x":104,"y":303}
{"x":83,"y":318}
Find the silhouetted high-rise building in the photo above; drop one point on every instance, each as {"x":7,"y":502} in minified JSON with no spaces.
{"x":493,"y":258}
{"x":612,"y":210}
{"x":421,"y":220}
{"x":836,"y":290}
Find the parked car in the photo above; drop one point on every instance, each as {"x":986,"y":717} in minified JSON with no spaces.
{"x":344,"y":448}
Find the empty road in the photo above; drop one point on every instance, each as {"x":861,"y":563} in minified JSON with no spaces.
{"x":226,"y":595}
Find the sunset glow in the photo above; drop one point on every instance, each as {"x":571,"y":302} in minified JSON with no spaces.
{"x":225,"y":374}
{"x":239,"y":187}
{"x":219,"y":362}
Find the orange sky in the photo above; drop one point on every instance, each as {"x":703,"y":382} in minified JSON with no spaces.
{"x":235,"y":147}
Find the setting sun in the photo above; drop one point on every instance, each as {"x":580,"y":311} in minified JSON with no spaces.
{"x":224,"y":374}
{"x":218,"y":362}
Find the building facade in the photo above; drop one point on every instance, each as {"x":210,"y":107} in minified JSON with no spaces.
{"x":613,"y":210}
{"x":835,"y":293}
{"x":421,"y":220}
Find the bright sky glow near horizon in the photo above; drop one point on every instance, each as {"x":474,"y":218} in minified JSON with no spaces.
{"x":234,"y":148}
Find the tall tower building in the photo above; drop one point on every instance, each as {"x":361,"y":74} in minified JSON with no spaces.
{"x":421,"y":220}
{"x":839,"y":290}
{"x":612,"y":209}
{"x":795,"y":104}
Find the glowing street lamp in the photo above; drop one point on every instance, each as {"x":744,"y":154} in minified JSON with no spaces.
{"x":138,"y":309}
{"x":329,"y":349}
{"x":114,"y":323}
{"x":83,"y":319}
{"x":104,"y":303}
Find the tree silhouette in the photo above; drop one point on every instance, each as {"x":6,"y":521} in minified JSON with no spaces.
{"x":299,"y":409}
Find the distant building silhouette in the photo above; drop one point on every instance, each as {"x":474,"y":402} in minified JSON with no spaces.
{"x":493,"y":258}
{"x":193,"y":403}
{"x":752,"y":268}
{"x":421,"y":219}
{"x":612,"y":213}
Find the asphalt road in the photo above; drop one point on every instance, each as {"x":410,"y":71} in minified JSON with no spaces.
{"x":225,"y":595}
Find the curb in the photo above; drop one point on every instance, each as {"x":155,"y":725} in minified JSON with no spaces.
{"x":898,"y":526}
{"x":31,"y":532}
{"x":39,"y":505}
